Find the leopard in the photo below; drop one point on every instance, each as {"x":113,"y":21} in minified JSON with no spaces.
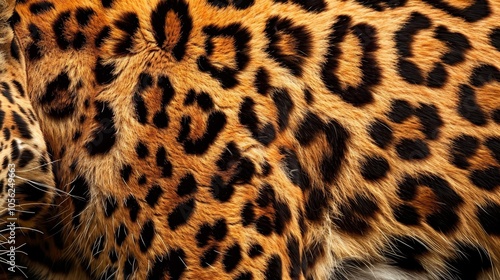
{"x":251,"y":139}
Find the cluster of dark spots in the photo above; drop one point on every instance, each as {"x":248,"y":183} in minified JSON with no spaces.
{"x":129,"y":24}
{"x":173,"y":263}
{"x":404,"y":251}
{"x":247,"y":115}
{"x":215,"y":124}
{"x":181,"y":214}
{"x":226,"y":75}
{"x":457,"y":46}
{"x":470,"y":260}
{"x":352,"y":215}
{"x":217,"y":231}
{"x":160,"y":29}
{"x":476,"y":11}
{"x":203,"y":99}
{"x":104,"y":136}
{"x":360,"y":94}
{"x":313,"y":6}
{"x":297,"y":38}
{"x":237,"y":4}
{"x":442,"y":206}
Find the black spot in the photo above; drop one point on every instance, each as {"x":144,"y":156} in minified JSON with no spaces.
{"x":400,"y":111}
{"x":41,"y":7}
{"x":488,"y":179}
{"x":374,"y":168}
{"x":255,"y":250}
{"x":205,"y":101}
{"x":244,"y":172}
{"x":353,"y":215}
{"x":14,"y":153}
{"x":104,"y":72}
{"x":266,"y":196}
{"x":83,"y":16}
{"x":469,"y":262}
{"x":104,"y":136}
{"x":220,"y":190}
{"x":26,"y":157}
{"x":294,"y":170}
{"x":412,"y":149}
{"x":284,"y":104}
{"x":478,"y":10}
{"x":495,"y":38}
{"x":248,"y":117}
{"x":172,"y":263}
{"x":468,"y":107}
{"x":113,"y":256}
{"x":22,"y":125}
{"x":59,"y":28}
{"x":130,"y":267}
{"x":120,"y":234}
{"x":493,"y":144}
{"x":133,"y":206}
{"x":140,"y":108}
{"x":209,"y":257}
{"x":142,"y":180}
{"x":264,"y":225}
{"x":316,"y":203}
{"x":181,"y":214}
{"x":19,"y":87}
{"x":283,"y":215}
{"x":313,"y":6}
{"x":262,"y":81}
{"x":232,"y":257}
{"x":128,"y":23}
{"x":489,"y":217}
{"x":107,"y":3}
{"x":247,"y":214}
{"x":146,"y":236}
{"x":300,"y":42}
{"x":162,"y":162}
{"x":229,"y":157}
{"x":381,"y":5}
{"x":187,"y":185}
{"x":360,"y":94}
{"x":293,"y":250}
{"x":226,"y":75}
{"x":274,"y":269}
{"x":215,"y":123}
{"x":244,"y":276}
{"x":404,"y":251}
{"x":98,"y":246}
{"x":142,"y":150}
{"x":484,"y":74}
{"x":80,"y":196}
{"x":110,"y":206}
{"x":336,"y":136}
{"x":158,"y":22}
{"x":462,"y":148}
{"x":203,"y":235}
{"x":406,"y":215}
{"x":154,"y":195}
{"x":125,"y":172}
{"x":102,"y":36}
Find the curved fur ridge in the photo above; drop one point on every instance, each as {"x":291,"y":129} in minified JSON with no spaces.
{"x":269,"y":139}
